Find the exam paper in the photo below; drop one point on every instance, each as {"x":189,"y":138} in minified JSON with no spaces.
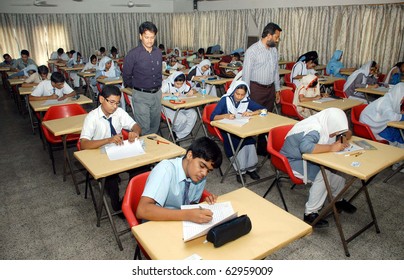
{"x":236,"y":121}
{"x":126,"y":150}
{"x":54,"y":102}
{"x":351,"y":148}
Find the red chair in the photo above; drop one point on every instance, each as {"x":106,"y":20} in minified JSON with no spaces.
{"x":339,"y":89}
{"x":227,"y":85}
{"x":276,"y":138}
{"x":130,"y":203}
{"x":287,"y":107}
{"x":59,"y":112}
{"x":289,"y":65}
{"x":381,"y":78}
{"x":207,"y":112}
{"x":216,"y":69}
{"x":288,"y":82}
{"x":185,"y":63}
{"x":361,"y":129}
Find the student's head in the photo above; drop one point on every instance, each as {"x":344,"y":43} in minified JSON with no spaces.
{"x":70,"y":53}
{"x":400,"y":66}
{"x":235,"y":57}
{"x":204,"y":65}
{"x":201,"y":157}
{"x":147,"y":34}
{"x":334,"y":121}
{"x":201,"y":53}
{"x":93,"y":59}
{"x":24,"y":55}
{"x":179,"y":81}
{"x":102,"y":50}
{"x":114,"y":51}
{"x":60,"y":51}
{"x":272,"y":34}
{"x":162,"y":47}
{"x":374,"y":68}
{"x":78,"y":58}
{"x":110,"y":98}
{"x":240,"y":92}
{"x":43,"y":72}
{"x":58,"y":80}
{"x":172,"y":60}
{"x":7,"y":57}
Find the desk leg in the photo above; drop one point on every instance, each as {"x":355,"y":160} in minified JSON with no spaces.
{"x":68,"y":164}
{"x":198,"y":110}
{"x":170,"y":129}
{"x":234,"y":160}
{"x":30,"y":113}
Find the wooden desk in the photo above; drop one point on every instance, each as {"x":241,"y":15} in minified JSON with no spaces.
{"x":74,"y":68}
{"x":4,"y":69}
{"x":218,"y":55}
{"x":230,"y":67}
{"x":399,"y":125}
{"x":16,"y":81}
{"x":284,"y":71}
{"x":320,"y":68}
{"x":347,"y":72}
{"x":272,"y":229}
{"x":26,"y":91}
{"x":371,"y":163}
{"x":39,"y":106}
{"x":109,"y":81}
{"x":99,"y":166}
{"x":380,"y":91}
{"x":343,"y":104}
{"x":190,"y":102}
{"x":284,"y":62}
{"x":257,"y":125}
{"x":328,"y":80}
{"x":63,"y":127}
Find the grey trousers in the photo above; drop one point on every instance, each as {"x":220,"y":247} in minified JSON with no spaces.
{"x":146,"y":110}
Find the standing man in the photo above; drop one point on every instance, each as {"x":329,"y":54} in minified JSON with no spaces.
{"x":142,"y":72}
{"x":260,"y":67}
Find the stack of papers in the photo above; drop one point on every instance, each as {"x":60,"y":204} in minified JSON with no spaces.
{"x":54,"y":102}
{"x":324,"y":99}
{"x":126,"y":150}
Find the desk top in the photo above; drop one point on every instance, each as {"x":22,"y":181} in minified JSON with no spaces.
{"x":283,"y":62}
{"x":399,"y":124}
{"x":16,"y":81}
{"x":99,"y":166}
{"x":319,"y":67}
{"x":272,"y":229}
{"x":217,"y":81}
{"x":109,"y":81}
{"x":371,"y":161}
{"x":74,"y":68}
{"x":216,"y":55}
{"x":328,"y":80}
{"x":377,"y":91}
{"x":4,"y":69}
{"x":86,"y":74}
{"x":347,"y":72}
{"x":38,"y":106}
{"x":65,"y":126}
{"x":284,"y":71}
{"x":191,"y":102}
{"x":256,"y":125}
{"x":25,"y":90}
{"x":343,"y":104}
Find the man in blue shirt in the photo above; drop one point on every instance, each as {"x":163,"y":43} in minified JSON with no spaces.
{"x":180,"y":181}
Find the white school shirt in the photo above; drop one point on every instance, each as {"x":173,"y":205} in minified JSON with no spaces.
{"x":300,"y":69}
{"x":45,"y":88}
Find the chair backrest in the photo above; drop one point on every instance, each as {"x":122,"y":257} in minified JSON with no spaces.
{"x":276,"y":138}
{"x":288,"y":82}
{"x":289,"y":65}
{"x":207,"y":112}
{"x":381,"y":78}
{"x":360,"y":129}
{"x":127,"y":101}
{"x":339,"y":89}
{"x":287,"y":107}
{"x":227,"y":85}
{"x":216,"y":69}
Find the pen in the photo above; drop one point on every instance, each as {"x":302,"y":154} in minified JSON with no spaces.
{"x":354,"y":154}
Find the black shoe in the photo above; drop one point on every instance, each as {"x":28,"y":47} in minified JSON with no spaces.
{"x":345,"y":206}
{"x":254,"y":175}
{"x":121,"y":216}
{"x":309,"y":218}
{"x":239,"y":179}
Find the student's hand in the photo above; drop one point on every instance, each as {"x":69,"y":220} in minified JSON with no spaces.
{"x":230,"y":116}
{"x":373,"y":86}
{"x":200,"y":216}
{"x":54,"y":96}
{"x":132,"y":136}
{"x":211,"y":199}
{"x":338,"y":146}
{"x":247,"y":114}
{"x":176,"y":94}
{"x":325,"y":94}
{"x":277,"y":97}
{"x":62,"y":98}
{"x":116,"y":139}
{"x":191,"y":92}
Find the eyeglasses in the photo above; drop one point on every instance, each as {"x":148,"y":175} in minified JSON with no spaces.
{"x":112,"y":102}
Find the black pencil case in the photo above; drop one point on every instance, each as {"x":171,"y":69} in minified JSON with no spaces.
{"x":229,"y":231}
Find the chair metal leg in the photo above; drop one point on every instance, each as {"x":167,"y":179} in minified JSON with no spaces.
{"x":281,"y":194}
{"x":52,"y":158}
{"x":270,"y":187}
{"x":138,"y":255}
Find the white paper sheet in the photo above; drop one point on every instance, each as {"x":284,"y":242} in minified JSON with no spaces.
{"x":236,"y":121}
{"x":352,"y":148}
{"x":324,"y":99}
{"x":126,"y":150}
{"x":54,"y":102}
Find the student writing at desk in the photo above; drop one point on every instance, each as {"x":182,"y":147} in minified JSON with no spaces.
{"x":106,"y":69}
{"x":8,"y":61}
{"x":317,"y":134}
{"x":75,"y":61}
{"x":23,"y":61}
{"x":180,"y":181}
{"x":395,"y":74}
{"x":202,"y":70}
{"x":304,"y":65}
{"x":335,"y":66}
{"x":55,"y":88}
{"x":102,"y":126}
{"x":37,"y":77}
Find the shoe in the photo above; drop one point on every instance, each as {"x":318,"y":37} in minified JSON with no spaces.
{"x":239,"y":179}
{"x":309,"y":218}
{"x":121,"y":216}
{"x":345,"y":206}
{"x":254,"y":175}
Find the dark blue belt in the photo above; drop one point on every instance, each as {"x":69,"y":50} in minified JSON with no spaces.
{"x":149,"y":90}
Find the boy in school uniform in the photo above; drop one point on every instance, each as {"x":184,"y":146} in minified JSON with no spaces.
{"x":180,"y":181}
{"x":23,"y":61}
{"x":8,"y":61}
{"x":55,"y":88}
{"x":37,"y":77}
{"x":103,"y":126}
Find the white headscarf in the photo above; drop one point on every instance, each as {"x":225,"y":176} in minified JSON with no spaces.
{"x":365,"y":70}
{"x":230,"y":102}
{"x":388,"y":76}
{"x":199,"y":68}
{"x":168,"y":84}
{"x":383,"y":110}
{"x":326,"y":122}
{"x":306,"y":81}
{"x":101,"y":67}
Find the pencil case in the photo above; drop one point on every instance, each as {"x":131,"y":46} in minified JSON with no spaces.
{"x":229,"y":231}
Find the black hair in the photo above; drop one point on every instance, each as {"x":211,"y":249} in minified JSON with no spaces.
{"x":113,"y":49}
{"x":6,"y":55}
{"x":373,"y":64}
{"x":180,"y":78}
{"x":109,"y":90}
{"x":79,"y":54}
{"x":237,"y":55}
{"x":102,"y":49}
{"x":311,"y":55}
{"x":161,"y":46}
{"x":57,"y":77}
{"x":270,"y":29}
{"x":72,"y":52}
{"x":93,"y":57}
{"x":242,"y":86}
{"x":398,"y":64}
{"x":313,"y":83}
{"x":60,"y":51}
{"x":24,"y":52}
{"x":147,"y":25}
{"x":201,"y":51}
{"x":206,"y":149}
{"x":43,"y":69}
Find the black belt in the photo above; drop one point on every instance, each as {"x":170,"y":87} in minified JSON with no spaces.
{"x":150,"y":90}
{"x":261,"y":85}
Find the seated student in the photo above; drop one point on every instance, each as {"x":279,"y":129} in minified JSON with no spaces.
{"x":102,"y":52}
{"x":113,"y":53}
{"x":180,"y":181}
{"x":175,"y":52}
{"x":103,"y":126}
{"x":236,"y":102}
{"x":395,"y":74}
{"x":8,"y":61}
{"x":234,"y":62}
{"x":26,"y":72}
{"x":76,"y":60}
{"x":92,"y":66}
{"x":23,"y":61}
{"x":186,"y":118}
{"x":199,"y":56}
{"x":387,"y":108}
{"x":308,"y":90}
{"x":106,"y":69}
{"x":335,"y":66}
{"x":55,"y":88}
{"x":59,"y":55}
{"x":203,"y":71}
{"x":317,"y":134}
{"x":172,"y":64}
{"x":361,"y":78}
{"x":304,"y":65}
{"x":37,"y":77}
{"x":163,"y":49}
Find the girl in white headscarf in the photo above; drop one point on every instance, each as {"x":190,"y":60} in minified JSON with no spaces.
{"x":186,"y":118}
{"x":363,"y":77}
{"x":76,"y":60}
{"x":383,"y":110}
{"x":202,"y":71}
{"x":236,"y":102}
{"x":107,"y":69}
{"x":317,"y":134}
{"x":308,"y":90}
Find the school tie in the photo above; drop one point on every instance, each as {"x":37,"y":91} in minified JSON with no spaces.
{"x":185,"y":200}
{"x":113,"y":131}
